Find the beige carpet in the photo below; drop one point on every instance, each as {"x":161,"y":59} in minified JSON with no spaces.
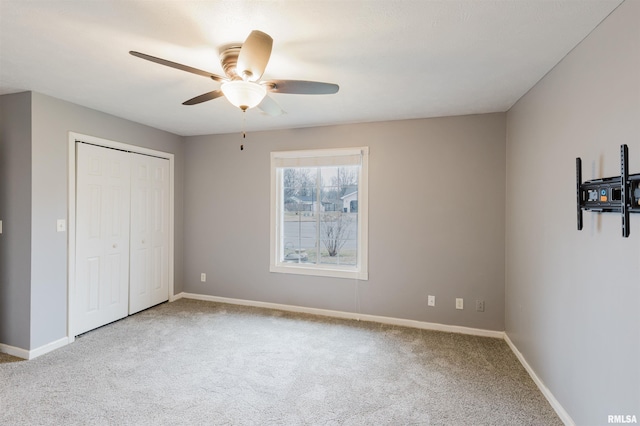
{"x":196,"y":363}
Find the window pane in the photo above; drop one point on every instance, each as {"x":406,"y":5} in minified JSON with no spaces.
{"x":299,"y":186}
{"x":299,"y":229}
{"x":339,"y":219}
{"x":339,"y":186}
{"x":299,"y":238}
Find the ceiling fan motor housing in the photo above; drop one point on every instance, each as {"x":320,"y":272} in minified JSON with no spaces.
{"x":229,"y":61}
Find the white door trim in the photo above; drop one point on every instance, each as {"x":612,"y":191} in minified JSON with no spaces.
{"x":71,"y":209}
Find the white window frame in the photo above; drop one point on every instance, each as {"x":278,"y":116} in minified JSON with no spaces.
{"x":320,"y":158}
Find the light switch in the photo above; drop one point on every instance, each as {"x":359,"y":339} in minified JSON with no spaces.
{"x":62,"y":225}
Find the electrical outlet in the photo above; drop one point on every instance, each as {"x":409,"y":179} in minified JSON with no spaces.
{"x":203,"y":277}
{"x":459,"y":303}
{"x":431,"y":300}
{"x":480,"y":305}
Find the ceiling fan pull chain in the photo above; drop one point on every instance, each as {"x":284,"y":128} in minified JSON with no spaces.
{"x":244,"y":134}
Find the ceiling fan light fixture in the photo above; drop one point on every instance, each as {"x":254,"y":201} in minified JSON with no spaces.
{"x":243,"y":94}
{"x":244,"y":65}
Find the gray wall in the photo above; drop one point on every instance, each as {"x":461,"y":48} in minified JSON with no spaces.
{"x":436,"y":221}
{"x":15,"y":213}
{"x":51,"y":120}
{"x":572,"y":296}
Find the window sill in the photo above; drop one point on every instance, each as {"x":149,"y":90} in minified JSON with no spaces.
{"x":319,"y":271}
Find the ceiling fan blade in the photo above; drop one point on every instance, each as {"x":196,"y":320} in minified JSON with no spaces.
{"x":203,"y":98}
{"x":177,"y":66}
{"x":270,"y":107}
{"x":254,"y":56}
{"x":301,"y":87}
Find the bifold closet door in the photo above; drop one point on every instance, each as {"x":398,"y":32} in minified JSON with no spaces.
{"x":149,"y":277}
{"x":103,"y":184}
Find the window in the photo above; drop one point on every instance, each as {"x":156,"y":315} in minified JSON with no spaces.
{"x":319,"y":219}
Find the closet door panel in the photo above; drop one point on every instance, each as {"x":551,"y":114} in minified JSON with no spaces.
{"x":160,"y":231}
{"x":101,"y":291}
{"x":149,"y":232}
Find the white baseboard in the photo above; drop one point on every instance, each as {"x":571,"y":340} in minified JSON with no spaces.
{"x":12,"y":350}
{"x":34,"y":353}
{"x":560,"y":411}
{"x":48,"y":347}
{"x":347,"y":315}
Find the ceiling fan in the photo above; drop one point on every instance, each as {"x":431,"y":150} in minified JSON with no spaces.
{"x":243,"y":66}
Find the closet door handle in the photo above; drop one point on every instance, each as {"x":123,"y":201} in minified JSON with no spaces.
{"x":115,"y":245}
{"x":143,"y":241}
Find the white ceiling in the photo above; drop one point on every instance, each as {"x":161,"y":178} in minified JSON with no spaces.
{"x":392,"y":59}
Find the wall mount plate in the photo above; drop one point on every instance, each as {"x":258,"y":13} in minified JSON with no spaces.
{"x":618,"y":194}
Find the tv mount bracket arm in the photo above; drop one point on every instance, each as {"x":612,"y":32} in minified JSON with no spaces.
{"x":619,"y":194}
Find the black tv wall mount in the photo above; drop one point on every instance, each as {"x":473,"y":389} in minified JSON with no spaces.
{"x":618,"y":194}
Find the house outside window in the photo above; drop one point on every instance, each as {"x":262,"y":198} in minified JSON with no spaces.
{"x":319,"y":222}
